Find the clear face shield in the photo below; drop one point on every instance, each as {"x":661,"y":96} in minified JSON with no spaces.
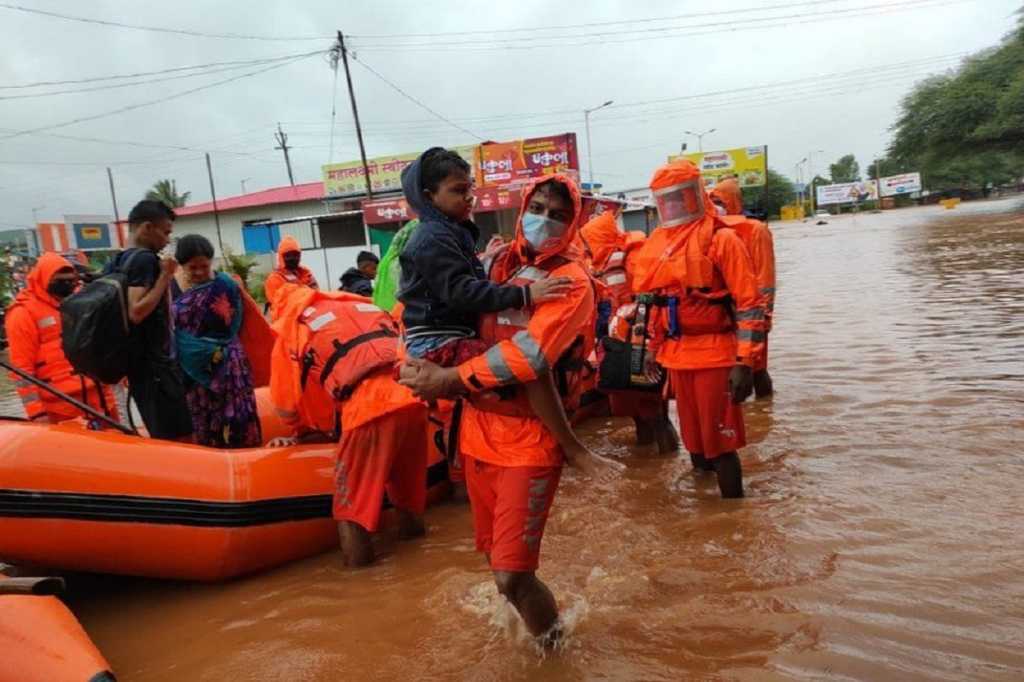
{"x":680,"y":204}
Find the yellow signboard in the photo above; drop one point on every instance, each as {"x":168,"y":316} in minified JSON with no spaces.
{"x":748,"y":164}
{"x":348,"y":179}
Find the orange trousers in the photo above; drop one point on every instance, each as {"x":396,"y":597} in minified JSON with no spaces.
{"x":386,"y":454}
{"x":710,"y":422}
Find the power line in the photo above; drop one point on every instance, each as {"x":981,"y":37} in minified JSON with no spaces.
{"x":412,"y":99}
{"x":534,"y":29}
{"x":782,"y":21}
{"x":114,"y":86}
{"x":141,"y":105}
{"x":157,"y":29}
{"x":140,"y":74}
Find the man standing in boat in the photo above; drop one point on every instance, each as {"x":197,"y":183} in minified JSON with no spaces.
{"x":154,"y":378}
{"x":332,"y":369}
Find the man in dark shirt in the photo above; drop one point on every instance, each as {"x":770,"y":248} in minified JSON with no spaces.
{"x":154,"y":378}
{"x":359,"y":280}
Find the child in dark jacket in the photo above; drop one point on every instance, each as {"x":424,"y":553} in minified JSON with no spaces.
{"x":444,"y":288}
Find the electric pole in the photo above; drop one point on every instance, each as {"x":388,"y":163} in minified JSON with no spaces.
{"x":216,"y":213}
{"x":113,"y":197}
{"x":282,"y":144}
{"x":355,"y":112}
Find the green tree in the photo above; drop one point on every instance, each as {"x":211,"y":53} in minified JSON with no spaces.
{"x":964,"y":130}
{"x":240,"y":265}
{"x":167,"y":192}
{"x":776,"y":193}
{"x":846,"y":169}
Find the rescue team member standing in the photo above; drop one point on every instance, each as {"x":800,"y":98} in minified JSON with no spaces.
{"x":33,"y":328}
{"x":289,"y":270}
{"x":154,"y":377}
{"x":610,"y":252}
{"x":513,"y":463}
{"x":710,"y":329}
{"x":332,"y":365}
{"x":758,"y":239}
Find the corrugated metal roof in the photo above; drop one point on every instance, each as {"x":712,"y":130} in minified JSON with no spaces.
{"x":309,"y":191}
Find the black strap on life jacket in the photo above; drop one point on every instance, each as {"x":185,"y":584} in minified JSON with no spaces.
{"x":343,"y":349}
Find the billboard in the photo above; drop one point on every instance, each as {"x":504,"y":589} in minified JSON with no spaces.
{"x":748,"y":164}
{"x":347,"y":179}
{"x":847,"y":192}
{"x":91,"y":232}
{"x":398,"y":209}
{"x":905,"y":183}
{"x":53,"y":237}
{"x":519,"y":161}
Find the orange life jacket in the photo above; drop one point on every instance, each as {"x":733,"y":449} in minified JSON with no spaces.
{"x":674,"y":264}
{"x":347,"y":341}
{"x":502,"y":326}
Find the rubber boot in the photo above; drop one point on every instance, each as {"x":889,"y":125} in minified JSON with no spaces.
{"x":645,"y":431}
{"x":730,"y":475}
{"x":700,"y":463}
{"x":668,"y":437}
{"x":762,"y":384}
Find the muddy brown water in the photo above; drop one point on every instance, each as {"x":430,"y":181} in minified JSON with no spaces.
{"x":880,"y":539}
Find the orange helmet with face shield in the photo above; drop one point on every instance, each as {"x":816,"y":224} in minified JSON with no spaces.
{"x":679,"y":194}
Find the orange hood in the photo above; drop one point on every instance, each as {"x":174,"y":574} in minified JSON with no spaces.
{"x":602,"y":236}
{"x":567,"y":246}
{"x":677,"y":256}
{"x":729,"y":193}
{"x":288,"y":243}
{"x":40,"y":275}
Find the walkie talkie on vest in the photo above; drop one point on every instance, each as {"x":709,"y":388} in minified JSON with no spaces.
{"x":638,"y":342}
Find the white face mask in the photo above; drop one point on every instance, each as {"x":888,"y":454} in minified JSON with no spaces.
{"x":542,"y":232}
{"x":719,"y":210}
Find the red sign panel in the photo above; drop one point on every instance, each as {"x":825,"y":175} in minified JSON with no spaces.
{"x":595,"y":206}
{"x":515,"y":163}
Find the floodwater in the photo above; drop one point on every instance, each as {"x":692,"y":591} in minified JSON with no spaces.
{"x":880,"y":539}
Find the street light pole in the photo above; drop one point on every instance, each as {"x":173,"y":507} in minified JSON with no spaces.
{"x":700,"y":137}
{"x":810,"y":174}
{"x":590,"y":153}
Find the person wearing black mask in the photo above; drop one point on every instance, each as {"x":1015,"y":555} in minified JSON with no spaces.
{"x":33,"y":327}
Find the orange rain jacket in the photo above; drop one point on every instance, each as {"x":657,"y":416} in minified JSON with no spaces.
{"x":703,"y":263}
{"x":611,"y":252}
{"x":311,"y":407}
{"x":282,"y":275}
{"x":33,"y":330}
{"x":756,"y":237}
{"x":547,"y":332}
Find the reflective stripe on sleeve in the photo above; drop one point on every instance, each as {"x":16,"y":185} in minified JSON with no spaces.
{"x":752,"y":314}
{"x":531,"y":350}
{"x":496,"y":363}
{"x":750,"y":335}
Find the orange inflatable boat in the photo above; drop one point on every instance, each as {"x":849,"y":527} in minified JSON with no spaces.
{"x":106,"y":502}
{"x":42,"y":641}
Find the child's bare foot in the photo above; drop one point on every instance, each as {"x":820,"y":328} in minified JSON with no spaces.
{"x":593,"y":465}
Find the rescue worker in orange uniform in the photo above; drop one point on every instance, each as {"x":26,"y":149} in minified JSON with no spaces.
{"x":33,"y":328}
{"x":513,"y":463}
{"x":758,"y":239}
{"x":288,"y":271}
{"x":610,"y":252}
{"x":708,"y":324}
{"x":332,"y":369}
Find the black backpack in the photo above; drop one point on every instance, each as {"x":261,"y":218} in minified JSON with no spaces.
{"x":96,"y":331}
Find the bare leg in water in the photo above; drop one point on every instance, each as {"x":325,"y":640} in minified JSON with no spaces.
{"x":547,"y":405}
{"x":534,"y":602}
{"x":356,"y":546}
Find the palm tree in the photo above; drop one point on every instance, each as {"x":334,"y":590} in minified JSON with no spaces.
{"x":167,"y":192}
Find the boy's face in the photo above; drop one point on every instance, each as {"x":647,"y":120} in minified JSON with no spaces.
{"x":454,"y":196}
{"x":368,"y":268}
{"x":155,"y":234}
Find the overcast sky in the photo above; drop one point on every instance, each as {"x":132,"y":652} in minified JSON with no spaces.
{"x":836,"y":69}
